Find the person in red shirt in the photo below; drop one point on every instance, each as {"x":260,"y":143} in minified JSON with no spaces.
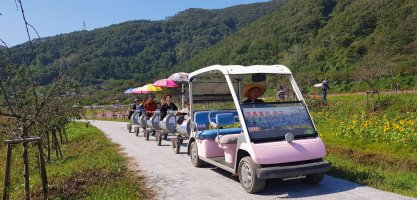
{"x":150,"y":106}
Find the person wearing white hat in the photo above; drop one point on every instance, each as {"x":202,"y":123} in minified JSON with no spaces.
{"x":253,"y":91}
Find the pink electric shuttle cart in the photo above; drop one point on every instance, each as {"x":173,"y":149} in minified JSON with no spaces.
{"x":270,"y":137}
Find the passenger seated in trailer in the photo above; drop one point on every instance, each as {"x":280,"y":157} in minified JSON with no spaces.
{"x":136,"y":104}
{"x":168,"y":106}
{"x":150,"y":106}
{"x":185,"y":110}
{"x":183,"y":113}
{"x":162,"y":102}
{"x":158,"y":106}
{"x":253,"y":91}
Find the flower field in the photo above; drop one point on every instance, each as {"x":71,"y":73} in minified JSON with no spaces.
{"x":374,"y":148}
{"x":400,"y":128}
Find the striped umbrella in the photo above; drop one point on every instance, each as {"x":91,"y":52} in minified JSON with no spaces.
{"x":139,"y":90}
{"x":179,"y":77}
{"x":128,"y":91}
{"x":149,"y":87}
{"x":146,"y":89}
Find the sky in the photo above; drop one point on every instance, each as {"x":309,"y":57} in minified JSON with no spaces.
{"x":53,"y":17}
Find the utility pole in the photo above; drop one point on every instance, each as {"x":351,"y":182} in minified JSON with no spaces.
{"x":84,"y":25}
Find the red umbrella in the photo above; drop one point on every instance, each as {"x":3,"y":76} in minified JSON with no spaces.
{"x":167,"y":83}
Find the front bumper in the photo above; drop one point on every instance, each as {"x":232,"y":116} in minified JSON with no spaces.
{"x":293,"y":170}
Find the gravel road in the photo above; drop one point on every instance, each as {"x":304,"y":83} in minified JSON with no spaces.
{"x":173,"y":177}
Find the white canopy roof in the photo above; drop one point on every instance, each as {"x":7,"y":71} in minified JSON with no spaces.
{"x":238,"y":69}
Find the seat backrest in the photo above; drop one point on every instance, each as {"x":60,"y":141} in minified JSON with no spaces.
{"x":224,"y":119}
{"x":202,"y":121}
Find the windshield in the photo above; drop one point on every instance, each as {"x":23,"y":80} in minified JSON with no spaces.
{"x":271,"y":121}
{"x":271,"y":107}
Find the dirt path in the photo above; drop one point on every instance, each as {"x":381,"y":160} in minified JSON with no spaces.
{"x":173,"y":177}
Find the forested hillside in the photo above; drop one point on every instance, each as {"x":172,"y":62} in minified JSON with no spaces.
{"x":346,"y":40}
{"x":358,"y":44}
{"x":140,"y":50}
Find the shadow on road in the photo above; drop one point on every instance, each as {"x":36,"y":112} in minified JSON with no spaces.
{"x":296,"y":188}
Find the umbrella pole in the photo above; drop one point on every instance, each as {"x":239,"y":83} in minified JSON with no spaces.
{"x":182,"y":95}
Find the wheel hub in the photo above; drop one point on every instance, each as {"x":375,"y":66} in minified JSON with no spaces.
{"x":246,"y":175}
{"x":193,"y":153}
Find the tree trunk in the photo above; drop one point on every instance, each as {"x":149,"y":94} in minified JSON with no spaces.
{"x":26,"y":170}
{"x":65,"y":134}
{"x":42,"y":170}
{"x":56,"y":143}
{"x":6,"y":180}
{"x":60,"y":134}
{"x":48,"y":145}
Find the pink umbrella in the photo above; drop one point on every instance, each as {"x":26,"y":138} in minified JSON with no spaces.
{"x":167,"y":83}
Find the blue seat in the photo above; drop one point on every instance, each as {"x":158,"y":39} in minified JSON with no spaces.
{"x":201,"y":117}
{"x":224,"y":119}
{"x":210,"y":134}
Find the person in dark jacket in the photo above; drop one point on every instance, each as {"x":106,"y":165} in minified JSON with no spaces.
{"x":136,"y":104}
{"x":324,"y":87}
{"x":168,"y":106}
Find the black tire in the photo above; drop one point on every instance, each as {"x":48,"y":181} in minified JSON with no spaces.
{"x":195,"y":160}
{"x":248,"y":177}
{"x":176,"y":147}
{"x":147,"y":135}
{"x":158,"y":140}
{"x":314,"y":179}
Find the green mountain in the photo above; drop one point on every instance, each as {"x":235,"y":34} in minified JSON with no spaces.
{"x":139,"y":50}
{"x":346,"y":40}
{"x":374,"y":41}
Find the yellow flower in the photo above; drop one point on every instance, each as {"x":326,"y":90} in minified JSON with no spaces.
{"x":401,"y":129}
{"x":411,"y":122}
{"x":368,"y":122}
{"x":363,"y":112}
{"x":396,"y":126}
{"x":402,"y":121}
{"x":354,"y":121}
{"x":386,"y":128}
{"x":350,"y":126}
{"x":364,"y":125}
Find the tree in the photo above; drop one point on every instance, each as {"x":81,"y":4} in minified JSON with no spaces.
{"x":26,"y":104}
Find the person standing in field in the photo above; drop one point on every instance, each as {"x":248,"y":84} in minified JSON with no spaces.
{"x":324,"y":87}
{"x":281,"y":93}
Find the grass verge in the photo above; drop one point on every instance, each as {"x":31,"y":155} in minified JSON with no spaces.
{"x":390,"y":166}
{"x":92,"y":168}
